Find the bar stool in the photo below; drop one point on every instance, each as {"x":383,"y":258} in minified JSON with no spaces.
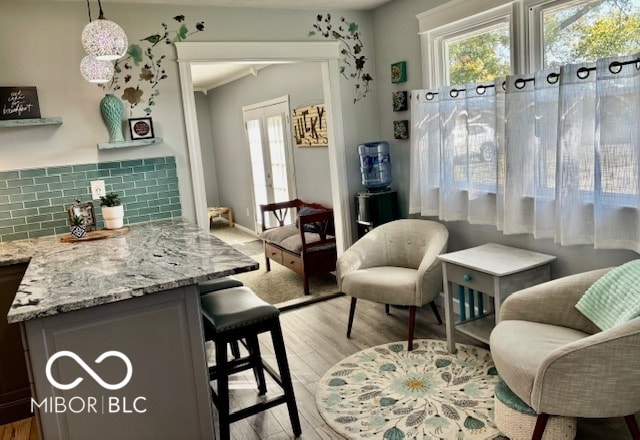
{"x":230,"y":315}
{"x":215,"y":285}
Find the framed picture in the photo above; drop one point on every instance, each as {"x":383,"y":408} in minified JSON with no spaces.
{"x":400,"y":101}
{"x":84,"y":210}
{"x":401,"y":129}
{"x":141,"y":128}
{"x":399,"y":72}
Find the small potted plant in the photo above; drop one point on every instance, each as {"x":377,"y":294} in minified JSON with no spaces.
{"x":112,"y":211}
{"x":77,"y":227}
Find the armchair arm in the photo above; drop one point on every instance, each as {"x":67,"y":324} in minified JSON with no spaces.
{"x":553,"y":302}
{"x":429,"y":283}
{"x":367,"y":252}
{"x":596,"y":376}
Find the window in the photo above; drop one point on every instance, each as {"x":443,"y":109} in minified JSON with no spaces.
{"x":464,"y":41}
{"x":583,"y":31}
{"x":478,"y":57}
{"x":552,"y":149}
{"x":475,"y":49}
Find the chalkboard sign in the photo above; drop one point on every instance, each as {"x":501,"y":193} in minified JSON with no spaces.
{"x":19,"y":103}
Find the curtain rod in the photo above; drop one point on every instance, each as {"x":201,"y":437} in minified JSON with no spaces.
{"x":583,"y":73}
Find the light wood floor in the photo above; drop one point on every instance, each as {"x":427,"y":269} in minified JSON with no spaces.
{"x":315,"y":340}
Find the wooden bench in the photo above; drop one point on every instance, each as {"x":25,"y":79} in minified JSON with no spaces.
{"x":306,"y":246}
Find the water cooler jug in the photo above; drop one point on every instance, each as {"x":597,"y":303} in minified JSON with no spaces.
{"x":375,"y":165}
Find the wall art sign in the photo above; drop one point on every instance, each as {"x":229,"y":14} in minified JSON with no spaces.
{"x":399,"y":72}
{"x":19,"y":103}
{"x":401,"y":129}
{"x":310,"y":126}
{"x":141,"y":128}
{"x":400,"y":102}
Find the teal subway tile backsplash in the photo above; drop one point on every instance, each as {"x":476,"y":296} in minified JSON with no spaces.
{"x":34,"y":202}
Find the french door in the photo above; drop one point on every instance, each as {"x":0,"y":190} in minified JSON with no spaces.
{"x":268,"y":135}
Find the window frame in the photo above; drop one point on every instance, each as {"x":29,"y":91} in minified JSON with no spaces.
{"x":458,"y":17}
{"x":449,"y":23}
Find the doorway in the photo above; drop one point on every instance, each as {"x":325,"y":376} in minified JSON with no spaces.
{"x":267,"y":129}
{"x":325,"y":52}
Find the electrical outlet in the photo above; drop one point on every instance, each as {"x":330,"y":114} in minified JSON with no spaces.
{"x":97,"y":189}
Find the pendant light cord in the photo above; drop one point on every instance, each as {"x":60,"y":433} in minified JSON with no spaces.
{"x":101,"y":16}
{"x":89,"y":11}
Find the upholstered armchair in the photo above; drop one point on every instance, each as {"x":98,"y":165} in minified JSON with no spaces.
{"x":395,"y":263}
{"x":559,"y":362}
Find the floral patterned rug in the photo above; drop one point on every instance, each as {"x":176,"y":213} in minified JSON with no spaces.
{"x":386,"y":392}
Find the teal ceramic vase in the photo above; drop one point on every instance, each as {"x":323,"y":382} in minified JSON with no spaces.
{"x":111,"y":109}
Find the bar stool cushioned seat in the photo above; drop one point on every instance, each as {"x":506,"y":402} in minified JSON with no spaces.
{"x":230,"y":315}
{"x":218,"y":284}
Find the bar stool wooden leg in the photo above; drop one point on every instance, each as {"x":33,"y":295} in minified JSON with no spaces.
{"x":285,"y":376}
{"x":256,"y":362}
{"x":222,"y":380}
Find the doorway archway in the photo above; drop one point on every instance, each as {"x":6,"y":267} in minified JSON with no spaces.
{"x":327,"y":54}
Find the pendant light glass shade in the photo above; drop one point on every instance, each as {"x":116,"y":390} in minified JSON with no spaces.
{"x":104,"y":40}
{"x":96,"y":71}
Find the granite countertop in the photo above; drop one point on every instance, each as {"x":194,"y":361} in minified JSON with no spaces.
{"x":151,"y":257}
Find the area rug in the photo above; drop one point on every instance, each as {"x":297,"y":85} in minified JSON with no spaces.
{"x":386,"y":392}
{"x":280,"y":286}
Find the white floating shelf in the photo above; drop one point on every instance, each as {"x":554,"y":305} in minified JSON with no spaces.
{"x":30,"y":122}
{"x":127,"y":144}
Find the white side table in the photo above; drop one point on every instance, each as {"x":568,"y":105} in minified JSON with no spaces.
{"x":490,"y":269}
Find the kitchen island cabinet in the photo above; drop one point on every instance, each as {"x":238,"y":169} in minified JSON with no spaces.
{"x":14,"y":382}
{"x":113,"y":334}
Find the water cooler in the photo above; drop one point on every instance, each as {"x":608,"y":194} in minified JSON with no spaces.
{"x":378,"y":204}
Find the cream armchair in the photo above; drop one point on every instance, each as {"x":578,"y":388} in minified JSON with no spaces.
{"x":559,"y":363}
{"x":395,"y":263}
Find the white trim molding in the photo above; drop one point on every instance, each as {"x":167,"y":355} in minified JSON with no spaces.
{"x":325,"y":52}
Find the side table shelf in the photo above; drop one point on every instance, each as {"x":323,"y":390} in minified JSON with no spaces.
{"x":30,"y":122}
{"x":127,"y":144}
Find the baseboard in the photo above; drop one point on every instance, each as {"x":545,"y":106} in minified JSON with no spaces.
{"x":245,"y":229}
{"x":239,"y":227}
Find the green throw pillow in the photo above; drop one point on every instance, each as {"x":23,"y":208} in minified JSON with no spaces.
{"x":614,"y":298}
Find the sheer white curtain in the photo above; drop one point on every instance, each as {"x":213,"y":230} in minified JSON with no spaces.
{"x":556,"y":155}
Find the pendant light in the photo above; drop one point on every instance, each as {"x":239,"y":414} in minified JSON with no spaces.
{"x":103,"y":39}
{"x":96,"y":71}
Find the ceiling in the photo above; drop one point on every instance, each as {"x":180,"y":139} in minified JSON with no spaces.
{"x":362,"y":5}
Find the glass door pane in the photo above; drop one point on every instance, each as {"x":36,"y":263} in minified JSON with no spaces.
{"x":277,"y":150}
{"x":260,"y":178}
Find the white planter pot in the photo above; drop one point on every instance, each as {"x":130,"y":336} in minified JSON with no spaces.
{"x":113,"y":216}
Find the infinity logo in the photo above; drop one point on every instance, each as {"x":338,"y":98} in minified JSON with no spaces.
{"x":88,"y":369}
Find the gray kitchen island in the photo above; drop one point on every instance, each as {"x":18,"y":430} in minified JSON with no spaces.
{"x":112,"y":330}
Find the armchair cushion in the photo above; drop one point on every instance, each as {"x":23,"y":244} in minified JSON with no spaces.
{"x":382,"y":282}
{"x":614,"y":298}
{"x":518,"y":360}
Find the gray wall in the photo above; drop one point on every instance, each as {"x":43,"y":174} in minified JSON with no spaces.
{"x":303,"y":83}
{"x":396,"y":39}
{"x":206,"y":148}
{"x":49,"y":59}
